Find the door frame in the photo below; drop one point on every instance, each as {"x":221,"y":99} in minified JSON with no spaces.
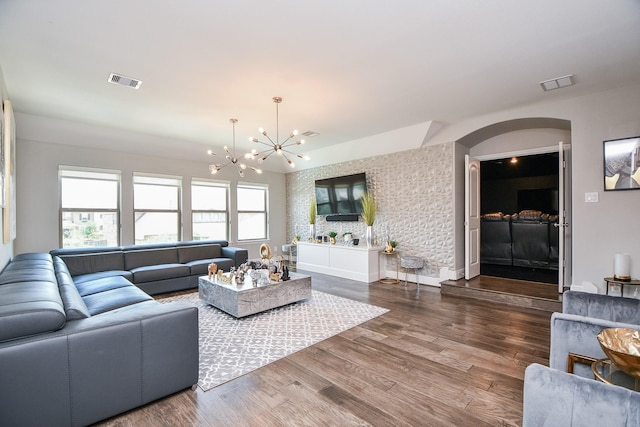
{"x":567,"y":252}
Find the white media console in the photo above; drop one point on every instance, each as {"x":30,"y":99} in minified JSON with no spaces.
{"x":351,"y":262}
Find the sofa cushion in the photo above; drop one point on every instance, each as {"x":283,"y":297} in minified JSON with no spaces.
{"x":152,"y":273}
{"x":102,"y":275}
{"x":201,"y":267}
{"x":192,"y":253}
{"x":102,"y":285}
{"x":30,"y":308}
{"x":102,"y":302}
{"x":149,"y":257}
{"x":36,"y":274}
{"x":74,"y":307}
{"x":94,"y":262}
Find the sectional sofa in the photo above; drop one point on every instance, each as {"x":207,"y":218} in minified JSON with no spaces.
{"x":154,"y":268}
{"x":72,"y":354}
{"x":82,"y":340}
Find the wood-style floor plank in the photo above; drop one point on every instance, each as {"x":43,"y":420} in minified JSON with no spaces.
{"x":433,"y":360}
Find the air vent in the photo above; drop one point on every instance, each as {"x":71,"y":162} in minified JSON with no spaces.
{"x":557,"y":83}
{"x":310,"y":133}
{"x":124,"y":81}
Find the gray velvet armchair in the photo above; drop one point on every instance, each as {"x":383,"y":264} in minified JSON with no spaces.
{"x":583,"y":316}
{"x":553,"y":397}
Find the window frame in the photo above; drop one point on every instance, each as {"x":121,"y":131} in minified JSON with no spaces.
{"x":200,"y":182}
{"x":77,"y":172}
{"x":239,"y":212}
{"x":139,"y":178}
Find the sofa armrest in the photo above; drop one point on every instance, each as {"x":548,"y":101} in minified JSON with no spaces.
{"x":571,"y":333}
{"x":554,"y":398}
{"x":239,"y":255}
{"x":101,"y":366}
{"x":606,"y":307}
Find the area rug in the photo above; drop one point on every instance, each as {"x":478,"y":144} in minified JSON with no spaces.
{"x":231,"y":347}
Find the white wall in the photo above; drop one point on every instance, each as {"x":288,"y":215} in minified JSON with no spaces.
{"x":38,"y":200}
{"x":6,"y":250}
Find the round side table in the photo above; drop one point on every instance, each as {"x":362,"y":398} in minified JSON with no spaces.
{"x":388,"y":280}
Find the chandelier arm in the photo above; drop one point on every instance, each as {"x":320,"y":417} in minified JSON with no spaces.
{"x":265,"y":143}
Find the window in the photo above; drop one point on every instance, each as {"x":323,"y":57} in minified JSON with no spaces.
{"x":89,"y":207}
{"x":156,"y":208}
{"x":252,"y":212}
{"x":209,"y":210}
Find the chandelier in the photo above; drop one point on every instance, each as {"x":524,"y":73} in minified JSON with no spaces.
{"x":280,"y":148}
{"x":231,"y":157}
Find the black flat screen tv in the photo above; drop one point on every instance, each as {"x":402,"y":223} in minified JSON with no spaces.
{"x":341,"y":195}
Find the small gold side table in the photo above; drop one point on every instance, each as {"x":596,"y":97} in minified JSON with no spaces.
{"x":607,"y":372}
{"x":388,"y":280}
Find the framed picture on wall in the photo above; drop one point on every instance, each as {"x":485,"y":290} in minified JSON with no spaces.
{"x":622,"y":164}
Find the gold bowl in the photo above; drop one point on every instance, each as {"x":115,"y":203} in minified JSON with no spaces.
{"x":622,"y":347}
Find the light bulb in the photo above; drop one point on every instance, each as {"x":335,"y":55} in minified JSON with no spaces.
{"x":295,"y":132}
{"x":242,"y":166}
{"x":211,"y":153}
{"x":258,"y":171}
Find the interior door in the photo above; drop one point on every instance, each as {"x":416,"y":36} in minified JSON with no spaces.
{"x":472,"y":218}
{"x":562,"y":216}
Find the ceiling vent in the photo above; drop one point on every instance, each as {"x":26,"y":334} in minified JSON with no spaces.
{"x":310,"y":133}
{"x":557,"y":83}
{"x":124,"y":81}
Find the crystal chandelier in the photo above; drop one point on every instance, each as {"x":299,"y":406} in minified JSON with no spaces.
{"x":231,"y":157}
{"x":281,"y":148}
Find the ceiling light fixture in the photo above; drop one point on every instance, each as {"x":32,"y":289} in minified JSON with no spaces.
{"x":557,"y":83}
{"x":231,"y":157}
{"x":281,"y":148}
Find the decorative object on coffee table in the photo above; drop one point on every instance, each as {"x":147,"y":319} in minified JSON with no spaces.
{"x":622,"y":347}
{"x":213,"y":269}
{"x":265,"y":253}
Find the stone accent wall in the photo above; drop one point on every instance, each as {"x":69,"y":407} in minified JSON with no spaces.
{"x":415,"y":193}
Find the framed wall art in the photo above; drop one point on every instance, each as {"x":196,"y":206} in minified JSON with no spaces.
{"x":622,"y":164}
{"x":9,"y":174}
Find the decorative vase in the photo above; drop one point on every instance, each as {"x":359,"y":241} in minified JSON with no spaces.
{"x":332,"y":240}
{"x":312,"y":232}
{"x":369,"y":236}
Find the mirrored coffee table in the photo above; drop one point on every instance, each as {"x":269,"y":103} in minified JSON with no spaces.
{"x":246,"y":298}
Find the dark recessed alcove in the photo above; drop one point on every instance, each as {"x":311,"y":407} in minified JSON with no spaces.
{"x":528,"y":183}
{"x":531,"y":183}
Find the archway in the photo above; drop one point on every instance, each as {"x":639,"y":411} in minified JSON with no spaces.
{"x":505,"y":139}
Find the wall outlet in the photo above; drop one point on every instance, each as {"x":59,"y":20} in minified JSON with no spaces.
{"x":591,"y":197}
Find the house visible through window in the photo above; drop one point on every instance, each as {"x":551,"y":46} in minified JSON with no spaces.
{"x":89,"y":207}
{"x":252,"y":212}
{"x":209,"y":210}
{"x":156,"y":206}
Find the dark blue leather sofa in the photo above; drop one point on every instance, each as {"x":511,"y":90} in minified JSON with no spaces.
{"x":72,"y":354}
{"x":154,"y":268}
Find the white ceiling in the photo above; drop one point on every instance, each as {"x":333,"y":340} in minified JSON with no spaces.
{"x":346,"y":69}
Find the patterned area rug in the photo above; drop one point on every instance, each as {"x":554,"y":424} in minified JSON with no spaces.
{"x":231,"y":347}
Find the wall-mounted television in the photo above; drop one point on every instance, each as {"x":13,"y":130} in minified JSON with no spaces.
{"x":341,"y":197}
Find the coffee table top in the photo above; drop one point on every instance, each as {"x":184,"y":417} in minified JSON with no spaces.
{"x":248,"y":284}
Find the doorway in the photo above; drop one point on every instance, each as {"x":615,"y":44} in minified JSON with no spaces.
{"x":520,"y":138}
{"x":519,"y":214}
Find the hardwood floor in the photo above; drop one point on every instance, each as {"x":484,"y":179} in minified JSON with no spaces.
{"x":433,"y":360}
